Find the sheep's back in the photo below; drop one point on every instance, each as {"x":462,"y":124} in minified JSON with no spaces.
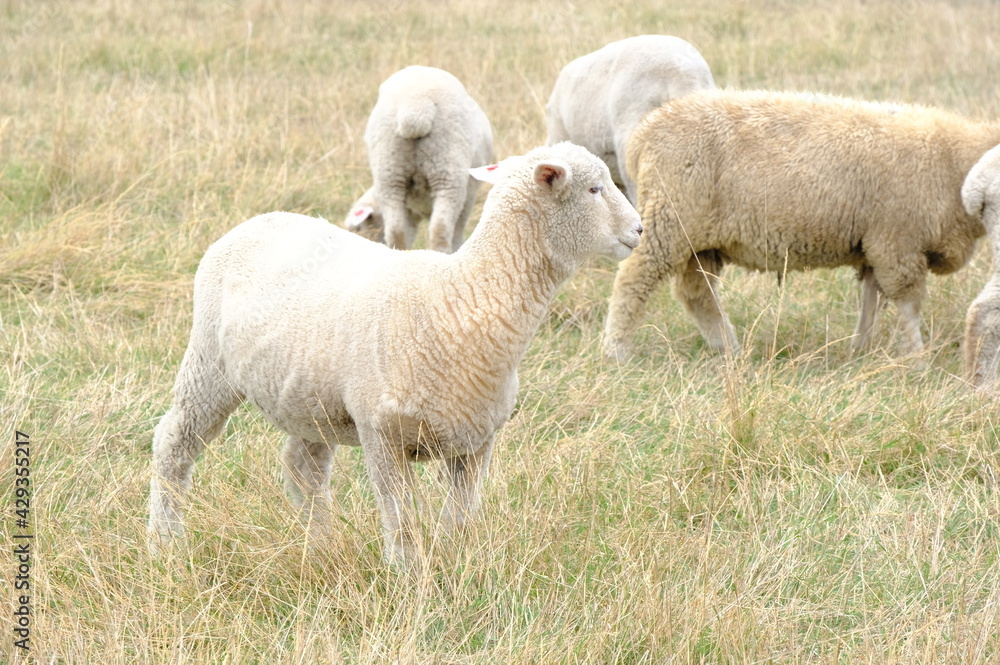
{"x":319,"y":327}
{"x":625,"y":79}
{"x":292,"y":307}
{"x":816,"y":177}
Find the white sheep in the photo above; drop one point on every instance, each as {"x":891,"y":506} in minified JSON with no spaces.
{"x":783,"y":181}
{"x":365,"y":218}
{"x":599,"y":98}
{"x":411,"y":355}
{"x":423,"y":136}
{"x":981,"y":197}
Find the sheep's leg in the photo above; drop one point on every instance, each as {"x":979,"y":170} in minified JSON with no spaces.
{"x":464,"y":475}
{"x":392,"y":478}
{"x":306,"y":469}
{"x":624,"y":182}
{"x":443,"y":227}
{"x":697,"y":289}
{"x":870,"y":291}
{"x":910,"y":341}
{"x":903,"y":280}
{"x":630,"y":189}
{"x":982,"y":336}
{"x":458,"y":236}
{"x":637,"y":279}
{"x":202,"y":402}
{"x":399,"y":229}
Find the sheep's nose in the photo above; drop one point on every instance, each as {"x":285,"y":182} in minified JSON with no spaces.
{"x":638,"y":228}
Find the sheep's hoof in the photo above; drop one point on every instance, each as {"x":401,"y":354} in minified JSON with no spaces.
{"x":858,"y":349}
{"x":725,"y":346}
{"x":913,"y":353}
{"x":159,"y":543}
{"x":617,"y":350}
{"x":407,"y":561}
{"x":917,"y":360}
{"x":986,"y":386}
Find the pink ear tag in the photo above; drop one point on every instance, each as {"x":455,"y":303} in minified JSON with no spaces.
{"x":486,"y":173}
{"x":358,"y":215}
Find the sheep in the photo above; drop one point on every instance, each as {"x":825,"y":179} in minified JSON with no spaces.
{"x":365,"y":218}
{"x":411,"y":355}
{"x":786,"y":181}
{"x":423,"y":136}
{"x":981,"y":196}
{"x":599,"y":98}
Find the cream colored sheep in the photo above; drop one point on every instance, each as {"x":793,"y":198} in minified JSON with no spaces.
{"x":776,"y":181}
{"x":599,"y":98}
{"x":411,"y":355}
{"x":423,"y":136}
{"x":981,"y":196}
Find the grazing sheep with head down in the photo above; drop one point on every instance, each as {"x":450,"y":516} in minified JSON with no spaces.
{"x":423,"y":136}
{"x":365,"y":218}
{"x":783,"y":181}
{"x":411,"y":355}
{"x":599,"y":98}
{"x":981,"y":196}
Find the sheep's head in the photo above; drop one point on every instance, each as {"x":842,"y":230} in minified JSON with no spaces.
{"x":365,"y":219}
{"x":583,"y":213}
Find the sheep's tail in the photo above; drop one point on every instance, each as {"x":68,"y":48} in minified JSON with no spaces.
{"x":415,"y":118}
{"x":980,"y":176}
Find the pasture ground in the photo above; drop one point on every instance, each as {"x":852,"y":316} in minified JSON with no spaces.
{"x":797,"y":506}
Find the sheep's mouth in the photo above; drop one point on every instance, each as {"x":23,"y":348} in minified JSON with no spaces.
{"x":631,"y":244}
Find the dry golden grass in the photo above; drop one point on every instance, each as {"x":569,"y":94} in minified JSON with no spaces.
{"x":798,"y":506}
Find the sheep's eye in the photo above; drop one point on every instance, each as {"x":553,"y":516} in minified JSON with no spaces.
{"x":596,"y":189}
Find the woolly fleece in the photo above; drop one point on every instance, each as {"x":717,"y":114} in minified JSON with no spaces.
{"x":599,"y":98}
{"x":784,"y":181}
{"x":981,"y":196}
{"x":412,"y":355}
{"x":423,"y":136}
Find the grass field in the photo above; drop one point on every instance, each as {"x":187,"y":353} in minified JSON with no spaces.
{"x":799,"y":505}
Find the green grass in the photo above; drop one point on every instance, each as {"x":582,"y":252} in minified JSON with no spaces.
{"x":799,"y":505}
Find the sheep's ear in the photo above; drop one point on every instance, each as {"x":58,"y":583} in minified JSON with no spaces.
{"x":358,"y":214}
{"x":552,"y":174}
{"x":486,"y":174}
